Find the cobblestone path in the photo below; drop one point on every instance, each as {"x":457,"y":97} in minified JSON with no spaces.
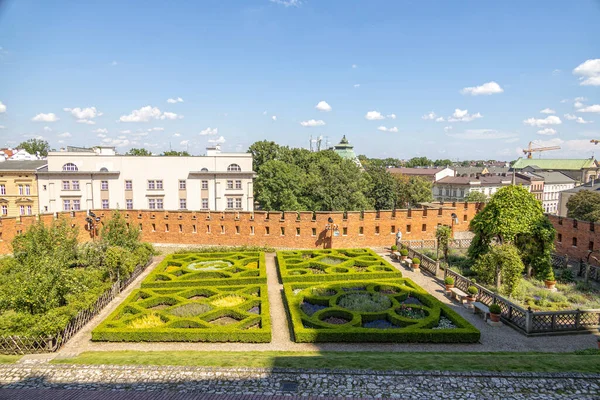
{"x":28,"y":379}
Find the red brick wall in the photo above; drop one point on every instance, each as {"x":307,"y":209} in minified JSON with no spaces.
{"x":233,"y":228}
{"x":586,"y":234}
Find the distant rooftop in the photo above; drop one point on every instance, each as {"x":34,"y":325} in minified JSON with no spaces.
{"x":415,"y":171}
{"x":555,"y":163}
{"x":588,"y":186}
{"x":28,"y":165}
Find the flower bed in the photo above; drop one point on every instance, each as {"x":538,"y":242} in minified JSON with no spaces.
{"x":190,"y":314}
{"x":202,"y":269}
{"x":372,"y":311}
{"x":333,"y":265}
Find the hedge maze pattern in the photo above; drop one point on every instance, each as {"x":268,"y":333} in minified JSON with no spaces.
{"x":373,"y":311}
{"x":333,"y":265}
{"x":190,"y":307}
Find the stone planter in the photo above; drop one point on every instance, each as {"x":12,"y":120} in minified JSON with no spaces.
{"x":403,"y":258}
{"x":550,"y":285}
{"x":471,"y":300}
{"x":448,"y":287}
{"x":416,"y":267}
{"x":495,"y":317}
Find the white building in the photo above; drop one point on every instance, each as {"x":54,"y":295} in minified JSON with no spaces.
{"x":457,"y":188}
{"x":554,"y":183}
{"x":98,"y":178}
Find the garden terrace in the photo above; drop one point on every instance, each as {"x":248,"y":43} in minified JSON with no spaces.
{"x":190,"y":314}
{"x":206,"y":269}
{"x":373,"y":311}
{"x":333,"y":265}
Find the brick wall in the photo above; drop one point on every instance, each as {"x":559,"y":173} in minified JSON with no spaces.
{"x":575,"y":238}
{"x":275,"y":229}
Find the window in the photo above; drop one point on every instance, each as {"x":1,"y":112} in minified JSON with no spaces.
{"x":129,"y":204}
{"x":4,"y":209}
{"x":21,"y":190}
{"x":314,"y":231}
{"x":27,"y":190}
{"x":238,"y":202}
{"x":237,"y":229}
{"x":574,"y":242}
{"x":70,"y":167}
{"x":345,"y":231}
{"x":159,"y":204}
{"x":393,"y":229}
{"x":2,"y":189}
{"x":103,"y":169}
{"x":182,"y":204}
{"x":129,"y":185}
{"x":66,"y":205}
{"x":267,"y":230}
{"x":222,"y":229}
{"x":205,"y":204}
{"x":252,"y":230}
{"x":152,"y":204}
{"x":465,"y":218}
{"x":233,"y":168}
{"x":182,"y":185}
{"x":66,"y":185}
{"x":151,"y":185}
{"x":204,"y":170}
{"x":407,"y":228}
{"x":75,"y":185}
{"x":44,"y":187}
{"x":377,"y":230}
{"x":166,"y":227}
{"x":361,"y":230}
{"x":159,"y":184}
{"x":424,"y":228}
{"x":229,"y":184}
{"x":180,"y":228}
{"x":591,"y":246}
{"x":282,"y":231}
{"x":204,"y":184}
{"x":238,"y":184}
{"x":574,"y":223}
{"x":230,"y":202}
{"x":559,"y":238}
{"x":194,"y":228}
{"x":105,"y":204}
{"x":104,"y":185}
{"x":21,"y":210}
{"x":207,"y":228}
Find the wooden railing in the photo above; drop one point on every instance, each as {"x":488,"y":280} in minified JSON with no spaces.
{"x":49,"y":344}
{"x":427,"y":263}
{"x":432,"y":243}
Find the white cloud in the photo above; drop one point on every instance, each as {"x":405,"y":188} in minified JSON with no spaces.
{"x":140,"y":134}
{"x":580,"y":98}
{"x":548,"y":111}
{"x":439,"y":119}
{"x":116,"y":142}
{"x":463,"y":116}
{"x":265,"y":112}
{"x":83,"y":113}
{"x":2,"y":108}
{"x":274,"y":117}
{"x":573,"y":147}
{"x":512,"y":140}
{"x":2,"y":127}
{"x":156,"y":129}
{"x":448,"y":128}
{"x":547,"y":131}
{"x":288,"y":3}
{"x":65,"y":134}
{"x":541,"y":122}
{"x":374,"y":115}
{"x":100,"y":130}
{"x":593,"y":109}
{"x":578,"y":104}
{"x":430,"y":115}
{"x":86,"y":121}
{"x":126,"y":131}
{"x":184,"y":142}
{"x":144,"y":114}
{"x":170,"y":115}
{"x":47,"y":129}
{"x":323,"y":106}
{"x":61,"y":141}
{"x":101,"y":135}
{"x":176,"y":100}
{"x":354,"y":66}
{"x":312,"y":123}
{"x":121,"y":137}
{"x":570,"y":117}
{"x":385,"y":129}
{"x":357,"y":85}
{"x":588,"y":72}
{"x":577,"y":119}
{"x":482,"y":134}
{"x":391,"y":116}
{"x":209,"y":131}
{"x":485,"y":89}
{"x":114,"y":63}
{"x":176,"y":134}
{"x":50,"y":117}
{"x":219,"y":140}
{"x":556,"y":72}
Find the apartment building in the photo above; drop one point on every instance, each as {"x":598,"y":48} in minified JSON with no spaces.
{"x":431,"y":174}
{"x":581,"y":170}
{"x":554,"y":184}
{"x":18,"y":187}
{"x":98,"y":178}
{"x":457,"y":188}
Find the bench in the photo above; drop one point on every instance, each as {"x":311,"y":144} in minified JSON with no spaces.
{"x":456,"y":293}
{"x":395,"y":255}
{"x":477,"y":306}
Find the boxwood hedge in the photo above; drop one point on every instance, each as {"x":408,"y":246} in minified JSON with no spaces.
{"x":206,"y":269}
{"x":395,"y":310}
{"x":190,"y":314}
{"x":333,"y":265}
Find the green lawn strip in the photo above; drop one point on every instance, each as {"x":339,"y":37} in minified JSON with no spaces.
{"x":6,"y":359}
{"x":587,"y":361}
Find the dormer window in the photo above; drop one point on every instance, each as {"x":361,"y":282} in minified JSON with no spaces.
{"x":103,"y":169}
{"x":233,"y":168}
{"x":70,"y":167}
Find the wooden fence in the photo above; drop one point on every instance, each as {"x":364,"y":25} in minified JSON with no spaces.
{"x":49,"y":344}
{"x":581,"y":267}
{"x":432,"y":243}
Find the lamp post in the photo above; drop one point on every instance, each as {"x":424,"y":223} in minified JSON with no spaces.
{"x":331,"y":227}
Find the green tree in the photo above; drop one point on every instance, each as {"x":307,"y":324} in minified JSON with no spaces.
{"x":57,"y":241}
{"x":116,"y":232}
{"x":476,"y":197}
{"x":442,"y":163}
{"x":502,"y":265}
{"x":443,"y":235}
{"x":412,"y":191}
{"x":584,"y":206}
{"x":173,"y":153}
{"x":536,"y":249}
{"x":279,"y":186}
{"x":34,"y":146}
{"x":383,"y":190}
{"x":419,"y":162}
{"x":138,"y":152}
{"x":264,"y":151}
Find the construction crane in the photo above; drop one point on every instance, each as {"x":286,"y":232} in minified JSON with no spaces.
{"x":594,"y":141}
{"x":529,"y":151}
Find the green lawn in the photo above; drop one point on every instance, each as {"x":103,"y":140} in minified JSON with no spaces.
{"x":583,"y":361}
{"x":4,"y":359}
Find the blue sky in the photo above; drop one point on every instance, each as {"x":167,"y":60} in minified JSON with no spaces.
{"x":101,"y":72}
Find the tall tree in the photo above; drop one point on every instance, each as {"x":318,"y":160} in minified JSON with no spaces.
{"x":502,"y":266}
{"x":383,"y":190}
{"x":585,"y":206}
{"x":35,"y":146}
{"x":264,"y":151}
{"x":173,"y":153}
{"x":419,"y":162}
{"x":138,"y":152}
{"x":412,"y":191}
{"x":477,"y":197}
{"x":443,"y":163}
{"x":279,"y":186}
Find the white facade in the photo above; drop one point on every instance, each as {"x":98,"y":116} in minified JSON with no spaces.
{"x":552,"y":196}
{"x":100,"y":179}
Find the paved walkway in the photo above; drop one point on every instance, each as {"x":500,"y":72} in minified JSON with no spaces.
{"x":165,"y":382}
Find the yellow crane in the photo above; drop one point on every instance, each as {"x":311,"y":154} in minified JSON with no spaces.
{"x":530,"y":150}
{"x":594,"y":141}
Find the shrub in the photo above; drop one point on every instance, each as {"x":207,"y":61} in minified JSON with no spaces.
{"x":416,"y":260}
{"x":449,"y":280}
{"x":366,"y":302}
{"x":473,"y":291}
{"x":566,"y":276}
{"x":495,"y":309}
{"x":404,"y":252}
{"x":394,"y":248}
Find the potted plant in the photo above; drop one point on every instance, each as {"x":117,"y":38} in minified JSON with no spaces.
{"x":394,"y":248}
{"x":550,"y":280}
{"x":449,"y":283}
{"x":472,"y":291}
{"x":495,"y":312}
{"x":416,"y":263}
{"x":403,"y":254}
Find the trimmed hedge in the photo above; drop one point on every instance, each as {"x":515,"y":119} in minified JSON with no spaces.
{"x":311,"y":306}
{"x":191,"y":314}
{"x":208,"y":269}
{"x":333,"y":265}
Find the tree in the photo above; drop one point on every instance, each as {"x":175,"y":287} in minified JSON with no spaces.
{"x":476,"y":197}
{"x":585,"y":206}
{"x":413,"y":190}
{"x":173,"y":153}
{"x":442,"y":163}
{"x":138,"y":152}
{"x":383,"y":190}
{"x":116,"y":232}
{"x":35,"y":146}
{"x":443,"y":235}
{"x":536,"y":249}
{"x":279,"y":186}
{"x":419,"y":162}
{"x":264,"y":151}
{"x":502,"y":266}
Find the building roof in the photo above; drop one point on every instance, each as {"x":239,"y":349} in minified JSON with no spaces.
{"x":415,"y":171}
{"x":29,"y":165}
{"x":554,"y":163}
{"x":493,"y":169}
{"x":553,"y":177}
{"x":482,"y":180}
{"x":345,"y":150}
{"x":588,"y":186}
